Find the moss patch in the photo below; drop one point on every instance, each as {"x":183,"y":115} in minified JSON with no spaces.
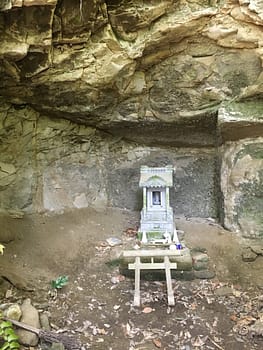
{"x":246,"y":110}
{"x":151,"y":235}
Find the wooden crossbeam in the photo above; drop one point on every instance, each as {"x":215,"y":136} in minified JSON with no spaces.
{"x":150,"y":253}
{"x":152,"y":266}
{"x":138,"y":266}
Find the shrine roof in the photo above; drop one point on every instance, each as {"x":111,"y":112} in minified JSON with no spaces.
{"x":156,"y":176}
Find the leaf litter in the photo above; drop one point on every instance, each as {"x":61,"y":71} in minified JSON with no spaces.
{"x":208,"y":314}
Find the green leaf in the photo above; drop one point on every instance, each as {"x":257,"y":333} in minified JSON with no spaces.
{"x":14,"y":345}
{"x":8,"y":331}
{"x":5,"y":324}
{"x":59,"y":282}
{"x":12,"y":337}
{"x":5,"y":346}
{"x":9,"y":336}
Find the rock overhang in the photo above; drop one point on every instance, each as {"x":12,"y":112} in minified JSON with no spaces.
{"x":59,"y":57}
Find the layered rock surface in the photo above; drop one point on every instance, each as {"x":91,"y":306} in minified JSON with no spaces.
{"x":151,"y":82}
{"x":53,"y":164}
{"x":115,"y":64}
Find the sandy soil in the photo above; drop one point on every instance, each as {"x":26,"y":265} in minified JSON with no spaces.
{"x":96,"y":305}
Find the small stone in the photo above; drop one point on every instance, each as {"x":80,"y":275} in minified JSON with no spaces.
{"x":200,"y":257}
{"x":5,"y":306}
{"x":57,"y":346}
{"x":198,"y":250}
{"x":14,"y":312}
{"x":16,"y":214}
{"x":257,"y":328}
{"x":184,"y":275}
{"x":204,"y":274}
{"x":248,"y":255}
{"x":223,"y":291}
{"x":200,"y":260}
{"x":113,"y":241}
{"x":44,"y":321}
{"x":200,"y":265}
{"x":8,"y":294}
{"x":257,"y":249}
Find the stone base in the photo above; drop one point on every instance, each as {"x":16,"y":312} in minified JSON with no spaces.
{"x":189,"y":267}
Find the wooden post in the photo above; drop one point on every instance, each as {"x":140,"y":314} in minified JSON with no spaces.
{"x":152,"y":265}
{"x":137,"y":281}
{"x":169,"y":281}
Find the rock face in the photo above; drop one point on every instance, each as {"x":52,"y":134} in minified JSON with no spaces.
{"x":242,"y":184}
{"x":57,"y":164}
{"x":93,"y":89}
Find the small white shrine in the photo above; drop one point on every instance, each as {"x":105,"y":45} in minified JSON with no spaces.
{"x":156,"y":229}
{"x":157,"y":222}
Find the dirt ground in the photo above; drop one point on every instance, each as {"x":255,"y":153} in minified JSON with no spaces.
{"x":96,"y":304}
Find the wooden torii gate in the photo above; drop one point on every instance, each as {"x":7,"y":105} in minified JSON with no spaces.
{"x":166,"y":265}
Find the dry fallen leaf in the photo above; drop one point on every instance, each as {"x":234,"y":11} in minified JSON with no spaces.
{"x":233,"y":318}
{"x":157,"y":343}
{"x":131,"y":232}
{"x":198,"y":342}
{"x":193,"y":306}
{"x":148,"y":310}
{"x":126,"y":329}
{"x":101,"y":331}
{"x":8,"y":293}
{"x":237,"y":293}
{"x":117,"y":279}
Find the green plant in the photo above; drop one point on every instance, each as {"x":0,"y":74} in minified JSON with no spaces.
{"x":60,"y":282}
{"x":8,"y":334}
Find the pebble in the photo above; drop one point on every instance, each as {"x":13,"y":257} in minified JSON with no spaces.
{"x":248,"y":255}
{"x":4,"y":306}
{"x":204,"y":274}
{"x":113,"y":241}
{"x":57,"y":346}
{"x":44,"y":321}
{"x":257,"y":249}
{"x":199,"y":257}
{"x":224,"y":291}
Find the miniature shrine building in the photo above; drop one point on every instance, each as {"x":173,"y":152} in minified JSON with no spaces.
{"x":157,"y":223}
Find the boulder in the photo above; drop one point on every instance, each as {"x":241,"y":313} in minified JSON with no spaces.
{"x":30,"y":316}
{"x":248,"y":255}
{"x":14,"y":312}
